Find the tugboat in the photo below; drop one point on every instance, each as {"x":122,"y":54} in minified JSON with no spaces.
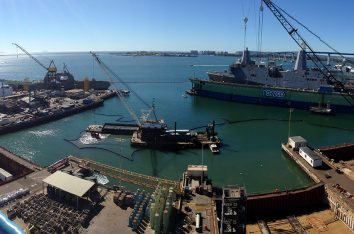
{"x":321,"y":110}
{"x":214,"y":148}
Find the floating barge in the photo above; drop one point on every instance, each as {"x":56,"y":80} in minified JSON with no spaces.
{"x":113,"y":128}
{"x":154,"y":134}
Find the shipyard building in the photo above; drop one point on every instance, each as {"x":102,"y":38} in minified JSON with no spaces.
{"x":233,"y":214}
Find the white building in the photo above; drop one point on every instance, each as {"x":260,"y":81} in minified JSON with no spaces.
{"x":296,"y":142}
{"x":6,"y":90}
{"x":310,"y":156}
{"x":4,"y":175}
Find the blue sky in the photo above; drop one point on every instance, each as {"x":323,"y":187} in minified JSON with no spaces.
{"x":183,"y":25}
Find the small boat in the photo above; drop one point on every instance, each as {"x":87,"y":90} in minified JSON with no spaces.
{"x":214,"y":148}
{"x":124,"y":92}
{"x":96,"y":135}
{"x":321,"y":110}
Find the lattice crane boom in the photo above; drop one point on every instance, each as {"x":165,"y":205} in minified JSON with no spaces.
{"x":109,"y":74}
{"x":51,"y":68}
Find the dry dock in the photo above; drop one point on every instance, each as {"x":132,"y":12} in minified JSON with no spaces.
{"x":338,"y":188}
{"x":17,"y":166}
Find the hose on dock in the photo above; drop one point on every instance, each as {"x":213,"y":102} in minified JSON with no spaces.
{"x":227,"y":121}
{"x":80,"y":146}
{"x":108,"y":115}
{"x":115,"y":115}
{"x":124,"y":121}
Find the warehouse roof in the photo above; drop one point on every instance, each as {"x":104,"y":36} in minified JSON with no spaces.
{"x":69,"y":183}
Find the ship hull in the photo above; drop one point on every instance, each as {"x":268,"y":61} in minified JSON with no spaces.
{"x":273,"y":96}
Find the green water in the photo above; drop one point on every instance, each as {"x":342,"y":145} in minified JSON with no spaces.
{"x":251,"y":153}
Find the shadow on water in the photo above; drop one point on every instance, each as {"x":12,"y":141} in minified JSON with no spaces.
{"x":153,"y":160}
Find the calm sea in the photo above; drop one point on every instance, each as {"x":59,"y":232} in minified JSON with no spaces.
{"x":251,"y":154}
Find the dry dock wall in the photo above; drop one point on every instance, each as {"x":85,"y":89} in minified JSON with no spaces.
{"x":337,"y":153}
{"x":16,"y":165}
{"x":284,"y":203}
{"x":342,"y":210}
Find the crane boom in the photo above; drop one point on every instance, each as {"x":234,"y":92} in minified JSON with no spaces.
{"x":52,"y":68}
{"x":108,"y":72}
{"x":293,"y":32}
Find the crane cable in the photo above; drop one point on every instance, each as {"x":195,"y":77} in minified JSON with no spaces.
{"x":120,"y":80}
{"x":314,"y":34}
{"x":314,"y":58}
{"x":245,"y":20}
{"x":260,"y":31}
{"x":107,"y":71}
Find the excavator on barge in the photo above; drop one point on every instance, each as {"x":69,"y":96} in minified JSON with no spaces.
{"x":149,"y":131}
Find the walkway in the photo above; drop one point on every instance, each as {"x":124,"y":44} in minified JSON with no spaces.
{"x":128,"y":176}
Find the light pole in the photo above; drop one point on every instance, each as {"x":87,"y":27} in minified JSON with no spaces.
{"x":202,"y":164}
{"x":290,"y":111}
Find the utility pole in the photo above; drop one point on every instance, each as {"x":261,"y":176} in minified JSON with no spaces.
{"x":202,"y":164}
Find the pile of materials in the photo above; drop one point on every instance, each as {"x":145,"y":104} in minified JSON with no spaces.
{"x":6,"y":198}
{"x":44,"y":215}
{"x":141,"y":201}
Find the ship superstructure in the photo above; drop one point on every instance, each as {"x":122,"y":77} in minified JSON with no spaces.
{"x":258,"y":83}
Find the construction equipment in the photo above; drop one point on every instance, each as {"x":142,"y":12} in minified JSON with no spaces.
{"x":295,"y":35}
{"x":110,"y":74}
{"x":53,"y":79}
{"x":52,"y":69}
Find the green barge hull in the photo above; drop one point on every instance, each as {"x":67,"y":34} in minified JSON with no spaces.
{"x":274,"y":96}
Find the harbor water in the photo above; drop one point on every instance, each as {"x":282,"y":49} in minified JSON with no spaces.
{"x":251,"y":134}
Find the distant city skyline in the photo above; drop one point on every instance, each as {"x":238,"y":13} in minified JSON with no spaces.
{"x":138,"y":25}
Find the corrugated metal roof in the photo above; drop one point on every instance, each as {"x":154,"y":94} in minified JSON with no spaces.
{"x":297,"y":139}
{"x":69,"y":183}
{"x":309,"y":152}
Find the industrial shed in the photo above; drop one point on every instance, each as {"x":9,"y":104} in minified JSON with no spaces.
{"x":296,"y":142}
{"x":310,"y":157}
{"x":64,"y":183}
